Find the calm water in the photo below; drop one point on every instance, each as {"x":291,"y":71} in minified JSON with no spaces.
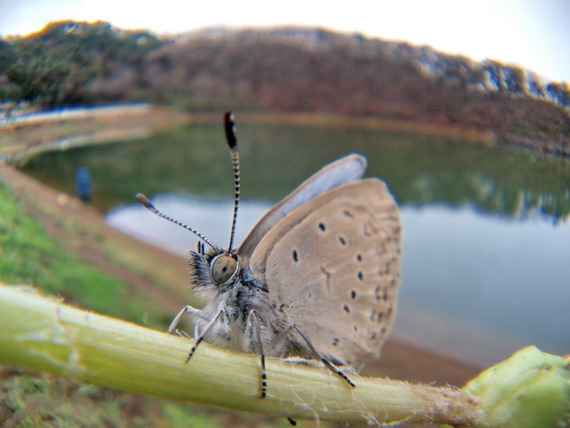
{"x":486,"y":245}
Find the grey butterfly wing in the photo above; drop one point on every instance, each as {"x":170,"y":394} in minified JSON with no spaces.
{"x":333,"y":267}
{"x":342,"y":171}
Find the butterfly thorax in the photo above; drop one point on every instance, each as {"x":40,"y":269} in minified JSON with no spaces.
{"x":233,"y":301}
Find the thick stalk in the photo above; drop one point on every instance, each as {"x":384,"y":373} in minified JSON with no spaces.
{"x":43,"y":334}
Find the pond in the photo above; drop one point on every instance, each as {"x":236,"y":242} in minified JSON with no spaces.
{"x":486,"y":265}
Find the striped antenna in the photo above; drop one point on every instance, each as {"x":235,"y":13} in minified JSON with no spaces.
{"x":230,"y":129}
{"x":149,"y":206}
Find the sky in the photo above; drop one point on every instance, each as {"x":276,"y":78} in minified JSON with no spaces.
{"x":529,"y":33}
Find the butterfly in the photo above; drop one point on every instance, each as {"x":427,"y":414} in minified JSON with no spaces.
{"x":317,"y":277}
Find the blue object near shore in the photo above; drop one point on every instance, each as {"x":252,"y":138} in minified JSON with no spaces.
{"x":83,"y":184}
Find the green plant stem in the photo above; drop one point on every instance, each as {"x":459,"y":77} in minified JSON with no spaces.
{"x":43,"y":334}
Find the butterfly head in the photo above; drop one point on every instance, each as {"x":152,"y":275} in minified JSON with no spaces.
{"x":217,"y":267}
{"x":213,"y":271}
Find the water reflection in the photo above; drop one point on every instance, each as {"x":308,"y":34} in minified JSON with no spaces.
{"x":420,"y":170}
{"x":508,"y":279}
{"x":212,"y":218}
{"x":477,"y":287}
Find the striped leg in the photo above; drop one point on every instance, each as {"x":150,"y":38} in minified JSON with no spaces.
{"x":257,"y":327}
{"x":198,"y":336}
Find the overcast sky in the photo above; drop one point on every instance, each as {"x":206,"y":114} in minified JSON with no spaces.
{"x":530,"y":33}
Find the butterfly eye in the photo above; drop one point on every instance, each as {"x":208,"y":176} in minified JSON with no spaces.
{"x":222,"y":268}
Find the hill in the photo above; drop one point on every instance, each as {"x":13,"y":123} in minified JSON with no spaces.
{"x":286,"y":70}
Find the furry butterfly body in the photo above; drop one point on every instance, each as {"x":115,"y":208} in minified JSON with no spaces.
{"x":330,"y":267}
{"x":317,"y":277}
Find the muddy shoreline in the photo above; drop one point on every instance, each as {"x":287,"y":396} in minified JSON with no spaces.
{"x":62,"y":129}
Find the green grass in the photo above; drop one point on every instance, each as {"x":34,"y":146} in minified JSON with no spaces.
{"x":37,"y":402}
{"x":30,"y":256}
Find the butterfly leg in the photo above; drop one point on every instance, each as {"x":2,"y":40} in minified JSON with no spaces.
{"x":199,"y":337}
{"x":326,"y":362}
{"x":257,"y":327}
{"x":185,"y":310}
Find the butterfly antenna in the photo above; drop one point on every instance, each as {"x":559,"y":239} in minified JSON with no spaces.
{"x":149,"y":206}
{"x":230,"y":129}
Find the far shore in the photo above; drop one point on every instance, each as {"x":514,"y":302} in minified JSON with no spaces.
{"x":25,"y":135}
